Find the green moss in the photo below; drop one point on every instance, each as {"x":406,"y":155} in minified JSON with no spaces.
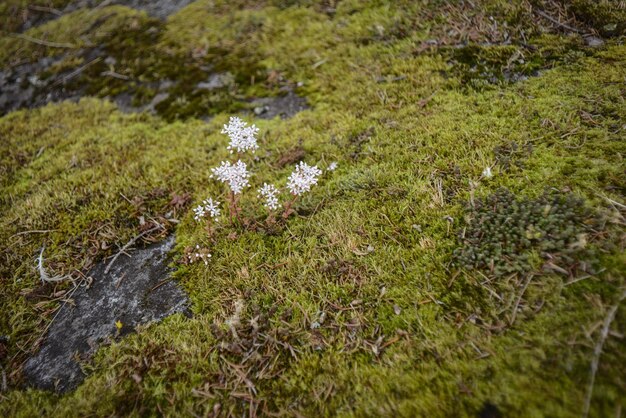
{"x":13,"y":13}
{"x":368,"y":258}
{"x":482,"y":67}
{"x":607,"y":17}
{"x":80,"y":29}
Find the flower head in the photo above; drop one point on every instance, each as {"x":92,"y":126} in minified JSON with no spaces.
{"x":242,"y":137}
{"x":302,"y":178}
{"x":269,"y":192}
{"x":200,"y":254}
{"x":332,"y":166}
{"x":487,"y":172}
{"x":212,"y":206}
{"x":199,"y":213}
{"x":236,"y":175}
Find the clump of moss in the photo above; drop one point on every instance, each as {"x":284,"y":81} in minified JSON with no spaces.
{"x":606,"y":16}
{"x":506,"y":234}
{"x":481,"y":66}
{"x":145,"y":69}
{"x":16,"y":15}
{"x":478,"y":66}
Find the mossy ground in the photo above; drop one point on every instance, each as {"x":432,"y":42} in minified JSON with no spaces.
{"x":370,"y":255}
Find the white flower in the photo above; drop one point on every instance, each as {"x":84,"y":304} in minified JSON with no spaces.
{"x":200,"y":254}
{"x":212,"y":207}
{"x":302,"y":178}
{"x":199,"y":213}
{"x":487,"y":173}
{"x":236,"y":175}
{"x":269,"y":192}
{"x":332,"y":166}
{"x":242,"y":137}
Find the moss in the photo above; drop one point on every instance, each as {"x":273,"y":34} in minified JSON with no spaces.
{"x":607,"y":17}
{"x":80,"y":29}
{"x":481,"y":67}
{"x":121,"y":54}
{"x":359,"y":307}
{"x":15,"y":14}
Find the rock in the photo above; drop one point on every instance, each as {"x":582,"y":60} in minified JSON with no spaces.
{"x":259,"y":110}
{"x":217,"y":81}
{"x":157,"y":8}
{"x":594,"y":41}
{"x":137,"y":290}
{"x":284,"y":106}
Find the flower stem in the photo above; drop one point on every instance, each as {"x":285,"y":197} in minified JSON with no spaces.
{"x":288,"y":211}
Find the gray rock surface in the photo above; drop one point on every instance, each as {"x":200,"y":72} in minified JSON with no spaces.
{"x":137,"y":290}
{"x":284,"y":106}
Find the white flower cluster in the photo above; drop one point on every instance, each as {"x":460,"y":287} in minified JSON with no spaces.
{"x":211,"y":206}
{"x":302,"y":178}
{"x":269,"y":192}
{"x":200,"y":213}
{"x":242,"y":137}
{"x":332,"y":166}
{"x":200,"y":254}
{"x":236,"y":175}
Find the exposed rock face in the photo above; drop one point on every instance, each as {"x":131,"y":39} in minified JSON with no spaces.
{"x":136,"y":290}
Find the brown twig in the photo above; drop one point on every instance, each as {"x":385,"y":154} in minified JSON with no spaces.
{"x":77,"y":71}
{"x":161,"y":283}
{"x":556,"y":22}
{"x":128,"y":244}
{"x":44,"y":43}
{"x":519,"y":299}
{"x":288,"y":211}
{"x":34,"y":231}
{"x":597,"y":351}
{"x":45,"y":9}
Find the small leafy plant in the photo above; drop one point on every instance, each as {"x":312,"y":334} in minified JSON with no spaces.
{"x":505,"y":234}
{"x":236,"y":175}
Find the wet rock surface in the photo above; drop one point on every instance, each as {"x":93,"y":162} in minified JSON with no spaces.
{"x":137,"y":290}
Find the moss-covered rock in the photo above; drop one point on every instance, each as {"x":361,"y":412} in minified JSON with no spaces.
{"x":354,"y":308}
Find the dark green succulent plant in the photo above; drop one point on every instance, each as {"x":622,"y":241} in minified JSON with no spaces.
{"x":506,"y":234}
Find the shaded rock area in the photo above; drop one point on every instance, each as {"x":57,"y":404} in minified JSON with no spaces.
{"x":284,"y":106}
{"x":31,"y":85}
{"x":156,"y":8}
{"x":32,"y":16}
{"x":125,"y":69}
{"x":137,"y":290}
